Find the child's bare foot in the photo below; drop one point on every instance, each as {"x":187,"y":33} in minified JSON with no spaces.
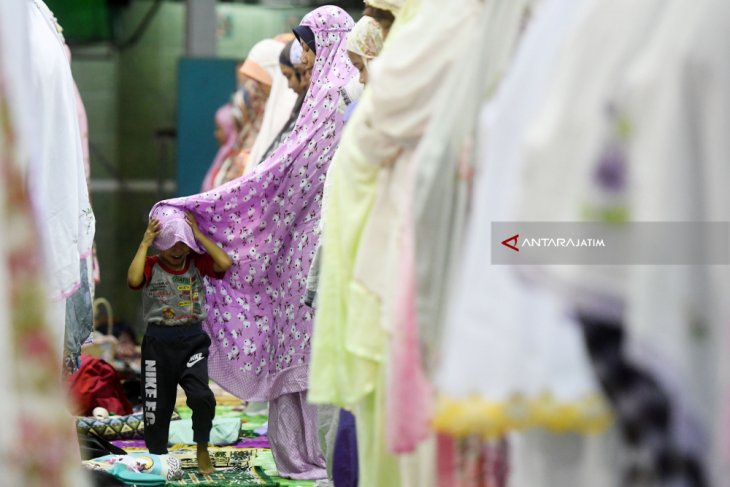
{"x":205,"y":466}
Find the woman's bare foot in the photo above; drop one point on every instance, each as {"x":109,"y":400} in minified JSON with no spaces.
{"x":205,"y":466}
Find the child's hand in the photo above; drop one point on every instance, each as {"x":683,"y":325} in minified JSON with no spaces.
{"x":190,"y":218}
{"x":153,"y":230}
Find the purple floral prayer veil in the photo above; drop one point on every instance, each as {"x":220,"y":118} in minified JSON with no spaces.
{"x":266,"y":221}
{"x":173,"y":228}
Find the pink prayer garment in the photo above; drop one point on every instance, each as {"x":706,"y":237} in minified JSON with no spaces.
{"x":173,"y":228}
{"x":266,"y":221}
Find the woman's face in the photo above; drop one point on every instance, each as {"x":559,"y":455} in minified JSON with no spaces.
{"x":305,"y":76}
{"x":356,"y":61}
{"x":307,"y":56}
{"x":291,"y":77}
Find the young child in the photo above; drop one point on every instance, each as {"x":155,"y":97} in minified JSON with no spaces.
{"x":175,"y":347}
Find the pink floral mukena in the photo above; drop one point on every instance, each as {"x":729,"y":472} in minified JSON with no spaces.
{"x":266,"y":221}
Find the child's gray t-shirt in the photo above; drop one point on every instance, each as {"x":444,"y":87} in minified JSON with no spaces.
{"x":176,"y":297}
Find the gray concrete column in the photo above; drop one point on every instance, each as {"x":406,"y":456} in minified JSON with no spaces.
{"x":200,"y":30}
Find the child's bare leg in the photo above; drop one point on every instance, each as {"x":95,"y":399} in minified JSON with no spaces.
{"x":205,"y":466}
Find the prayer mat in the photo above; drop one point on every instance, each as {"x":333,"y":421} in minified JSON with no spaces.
{"x":249,"y":423}
{"x":222,"y":397}
{"x":253,"y":442}
{"x":234,"y":467}
{"x":265,"y":460}
{"x":240,"y":458}
{"x":233,"y":477}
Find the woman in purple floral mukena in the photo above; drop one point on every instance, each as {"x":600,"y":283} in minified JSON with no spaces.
{"x":266,"y":220}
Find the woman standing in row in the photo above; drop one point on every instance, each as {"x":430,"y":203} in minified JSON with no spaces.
{"x":267,"y":220}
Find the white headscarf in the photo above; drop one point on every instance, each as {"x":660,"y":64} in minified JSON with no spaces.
{"x":366,"y":39}
{"x":296,"y":53}
{"x":280,"y":103}
{"x":262,"y":62}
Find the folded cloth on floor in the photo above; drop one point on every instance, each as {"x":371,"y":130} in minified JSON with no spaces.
{"x":144,"y":469}
{"x":225,"y":431}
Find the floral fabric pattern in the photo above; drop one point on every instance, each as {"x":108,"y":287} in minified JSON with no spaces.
{"x":266,"y":221}
{"x":32,"y":368}
{"x":366,"y":38}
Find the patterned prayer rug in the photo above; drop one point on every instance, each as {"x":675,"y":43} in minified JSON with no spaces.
{"x":233,"y":477}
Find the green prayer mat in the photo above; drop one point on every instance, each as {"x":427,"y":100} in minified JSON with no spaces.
{"x":239,"y":478}
{"x":225,"y":412}
{"x":239,"y":458}
{"x":265,"y":461}
{"x":225,"y":431}
{"x":239,"y":467}
{"x":252,"y":467}
{"x":233,"y":477}
{"x":248,"y":423}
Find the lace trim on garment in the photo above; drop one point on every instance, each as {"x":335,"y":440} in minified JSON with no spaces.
{"x":492,"y":419}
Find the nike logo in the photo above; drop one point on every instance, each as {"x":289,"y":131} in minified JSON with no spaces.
{"x":195,"y":359}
